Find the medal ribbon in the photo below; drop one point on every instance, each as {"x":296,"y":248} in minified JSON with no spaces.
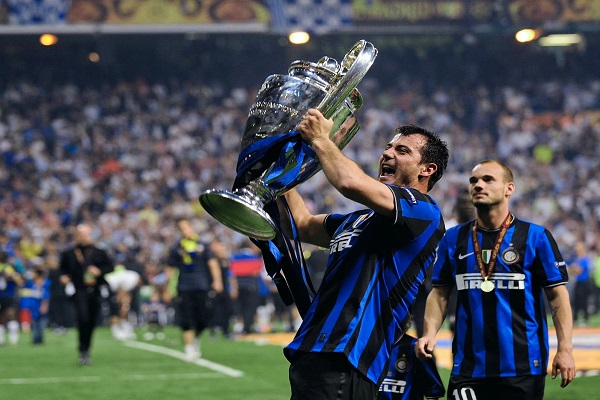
{"x":495,"y":250}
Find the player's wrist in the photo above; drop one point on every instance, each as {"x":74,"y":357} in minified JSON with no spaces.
{"x":564,"y":348}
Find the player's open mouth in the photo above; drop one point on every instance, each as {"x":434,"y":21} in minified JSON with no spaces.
{"x":386,"y":170}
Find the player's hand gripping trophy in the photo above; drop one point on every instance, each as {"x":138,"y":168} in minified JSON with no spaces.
{"x":273,"y":157}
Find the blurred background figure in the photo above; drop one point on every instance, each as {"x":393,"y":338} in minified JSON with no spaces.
{"x":196,"y":271}
{"x":155,"y":301}
{"x":223,"y":302}
{"x":580,"y":269}
{"x":10,"y":281}
{"x":84,"y":266}
{"x":246,"y":264}
{"x":272,"y":315}
{"x":596,"y":279}
{"x":122,"y":282}
{"x":316,"y":262}
{"x":155,"y":316}
{"x":35,"y":299}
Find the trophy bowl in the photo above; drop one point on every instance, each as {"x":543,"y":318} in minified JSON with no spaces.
{"x":273,"y":157}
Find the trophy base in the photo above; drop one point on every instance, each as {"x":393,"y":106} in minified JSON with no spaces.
{"x":238,"y":213}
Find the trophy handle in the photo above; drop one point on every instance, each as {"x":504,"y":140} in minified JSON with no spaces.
{"x":354,"y":66}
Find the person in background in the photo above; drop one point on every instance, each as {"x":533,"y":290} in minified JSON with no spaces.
{"x":154,"y":311}
{"x":273,"y":315}
{"x":198,"y":273}
{"x":316,"y":262}
{"x":410,"y":378}
{"x":83,"y":267}
{"x":35,"y":298}
{"x":378,"y":259}
{"x":581,"y":268}
{"x":122,"y":282}
{"x":156,"y":300}
{"x":501,"y":267}
{"x":463,"y":212}
{"x":223,"y":302}
{"x":596,"y":280}
{"x":10,"y":280}
{"x":246,"y":264}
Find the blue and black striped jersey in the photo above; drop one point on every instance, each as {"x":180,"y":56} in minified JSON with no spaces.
{"x":409,"y":378}
{"x":502,"y":333}
{"x":374,"y":270}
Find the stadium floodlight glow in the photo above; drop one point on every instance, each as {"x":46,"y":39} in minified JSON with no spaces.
{"x":560,"y":40}
{"x":299,"y":37}
{"x":48,"y":39}
{"x":526,"y":35}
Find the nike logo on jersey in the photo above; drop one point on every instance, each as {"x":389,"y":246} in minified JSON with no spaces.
{"x":463,"y":256}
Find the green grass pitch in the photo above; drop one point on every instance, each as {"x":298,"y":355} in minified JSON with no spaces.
{"x":153,"y":370}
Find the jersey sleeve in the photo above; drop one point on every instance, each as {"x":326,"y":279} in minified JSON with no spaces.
{"x":332,"y":222}
{"x":552,"y":269}
{"x":415,"y":212}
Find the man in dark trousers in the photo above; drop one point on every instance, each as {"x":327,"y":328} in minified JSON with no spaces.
{"x":198,"y":273}
{"x":83,"y":266}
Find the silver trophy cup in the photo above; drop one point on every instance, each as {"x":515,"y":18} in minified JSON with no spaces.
{"x":269,"y":165}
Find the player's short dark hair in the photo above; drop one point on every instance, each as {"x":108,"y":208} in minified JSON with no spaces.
{"x":508,"y":174}
{"x":435,"y":150}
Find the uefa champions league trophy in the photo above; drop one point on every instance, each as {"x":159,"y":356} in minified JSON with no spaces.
{"x":274,"y":158}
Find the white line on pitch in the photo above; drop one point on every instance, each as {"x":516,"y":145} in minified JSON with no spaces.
{"x":181,"y":356}
{"x":84,"y":379}
{"x":165,"y":377}
{"x":28,"y":381}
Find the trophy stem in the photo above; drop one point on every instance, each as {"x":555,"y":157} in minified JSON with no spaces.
{"x":258,"y":192}
{"x":242,"y":209}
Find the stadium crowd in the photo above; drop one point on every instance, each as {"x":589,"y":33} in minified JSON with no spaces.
{"x":131,"y":158}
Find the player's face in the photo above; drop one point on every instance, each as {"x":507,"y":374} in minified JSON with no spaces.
{"x":400,"y":163}
{"x":219,"y":249}
{"x":83,"y":234}
{"x":186,"y":228}
{"x":487,"y":185}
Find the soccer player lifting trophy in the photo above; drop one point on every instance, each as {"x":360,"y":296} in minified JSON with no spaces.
{"x":273,"y":157}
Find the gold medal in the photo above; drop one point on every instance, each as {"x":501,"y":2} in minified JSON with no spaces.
{"x":487,"y":286}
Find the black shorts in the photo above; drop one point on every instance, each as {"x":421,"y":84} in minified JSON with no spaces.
{"x":8,"y":303}
{"x":530,"y":387}
{"x":195,"y":308}
{"x":328,"y":376}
